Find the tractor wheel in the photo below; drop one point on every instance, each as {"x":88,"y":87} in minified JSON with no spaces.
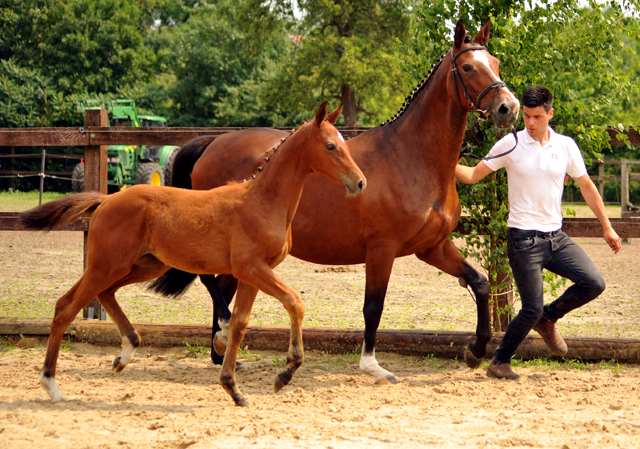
{"x":77,"y":178}
{"x":168,"y":167}
{"x":150,"y":173}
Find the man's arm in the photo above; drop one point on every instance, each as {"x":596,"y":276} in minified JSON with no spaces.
{"x":592,"y":197}
{"x":471,"y":175}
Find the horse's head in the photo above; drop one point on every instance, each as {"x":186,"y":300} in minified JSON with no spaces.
{"x":329,"y":154}
{"x":475,"y":80}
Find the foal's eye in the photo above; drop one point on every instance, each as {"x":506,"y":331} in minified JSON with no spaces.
{"x":467,"y":67}
{"x":331,"y":147}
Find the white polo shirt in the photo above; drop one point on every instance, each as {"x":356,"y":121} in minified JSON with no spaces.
{"x":536,"y":178}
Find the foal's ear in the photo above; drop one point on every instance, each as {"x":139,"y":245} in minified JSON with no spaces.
{"x":483,"y":35}
{"x":461,"y":32}
{"x":333,"y":116}
{"x":321,"y":114}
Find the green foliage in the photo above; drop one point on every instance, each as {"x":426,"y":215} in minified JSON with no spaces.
{"x":27,"y":98}
{"x":345,"y":50}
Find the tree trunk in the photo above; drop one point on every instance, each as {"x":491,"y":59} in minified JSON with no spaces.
{"x":350,"y":110}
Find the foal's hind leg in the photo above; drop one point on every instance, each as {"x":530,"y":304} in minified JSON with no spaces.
{"x":446,"y":257}
{"x":146,"y":268}
{"x":67,"y":308}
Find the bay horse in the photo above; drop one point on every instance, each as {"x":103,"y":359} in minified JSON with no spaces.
{"x":410,"y":207}
{"x":241,"y":229}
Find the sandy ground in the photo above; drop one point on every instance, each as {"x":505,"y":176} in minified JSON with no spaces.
{"x":168,"y":399}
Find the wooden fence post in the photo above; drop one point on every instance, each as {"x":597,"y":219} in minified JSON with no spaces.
{"x":95,"y":179}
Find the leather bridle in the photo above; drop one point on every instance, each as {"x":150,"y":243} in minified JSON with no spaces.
{"x":497,"y":85}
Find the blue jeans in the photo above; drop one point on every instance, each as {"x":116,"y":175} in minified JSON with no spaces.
{"x":530,"y":252}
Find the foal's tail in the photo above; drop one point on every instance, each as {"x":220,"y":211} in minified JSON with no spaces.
{"x":186,"y":158}
{"x":61,"y":212}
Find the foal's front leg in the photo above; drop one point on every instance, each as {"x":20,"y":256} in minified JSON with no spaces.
{"x":237,"y":325}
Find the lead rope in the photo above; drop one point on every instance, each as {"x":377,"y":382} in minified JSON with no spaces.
{"x":470,"y":154}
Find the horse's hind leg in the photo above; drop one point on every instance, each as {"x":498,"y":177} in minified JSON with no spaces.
{"x":379,"y":263}
{"x":446,"y":257}
{"x":221,"y":288}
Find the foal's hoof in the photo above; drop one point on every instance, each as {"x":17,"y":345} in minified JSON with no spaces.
{"x":117,"y":366}
{"x":387,"y":380}
{"x":240,"y":401}
{"x":282,"y":380}
{"x":471,"y":360}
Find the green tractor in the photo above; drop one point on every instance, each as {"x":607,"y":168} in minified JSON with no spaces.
{"x":130,"y":164}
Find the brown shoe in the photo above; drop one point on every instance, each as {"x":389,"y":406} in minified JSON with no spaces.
{"x":553,"y":339}
{"x":501,"y":371}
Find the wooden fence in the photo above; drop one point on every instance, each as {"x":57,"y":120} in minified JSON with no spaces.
{"x":96,"y":135}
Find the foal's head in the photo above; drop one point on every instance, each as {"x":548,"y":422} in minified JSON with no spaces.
{"x":329,"y":154}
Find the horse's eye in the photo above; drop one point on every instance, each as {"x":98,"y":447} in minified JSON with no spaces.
{"x":467,"y":67}
{"x":331,"y":147}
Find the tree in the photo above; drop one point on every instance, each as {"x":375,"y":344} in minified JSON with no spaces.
{"x":80,"y":45}
{"x":211,"y":66}
{"x":346,"y":50}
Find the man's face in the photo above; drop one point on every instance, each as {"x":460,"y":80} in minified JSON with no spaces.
{"x":536,"y":120}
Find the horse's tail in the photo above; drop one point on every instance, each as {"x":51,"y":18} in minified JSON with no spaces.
{"x":186,"y":158}
{"x":61,"y":212}
{"x":173,"y":283}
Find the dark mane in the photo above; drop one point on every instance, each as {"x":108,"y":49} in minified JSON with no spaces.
{"x":415,"y":91}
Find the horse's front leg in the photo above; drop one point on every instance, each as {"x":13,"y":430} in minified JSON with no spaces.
{"x":237,"y":325}
{"x":221,"y":289}
{"x":379,"y":263}
{"x":446,"y":257}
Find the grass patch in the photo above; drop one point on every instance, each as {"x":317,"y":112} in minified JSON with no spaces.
{"x":15,"y":201}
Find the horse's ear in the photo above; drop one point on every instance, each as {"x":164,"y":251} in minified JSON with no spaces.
{"x":461,"y":32}
{"x":483,"y":35}
{"x":321,"y":114}
{"x":333,"y":115}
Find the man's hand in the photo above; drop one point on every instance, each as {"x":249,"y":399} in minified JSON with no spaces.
{"x":612,"y":239}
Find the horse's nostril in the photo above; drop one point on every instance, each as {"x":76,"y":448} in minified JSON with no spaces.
{"x":503,"y":110}
{"x":361,"y":185}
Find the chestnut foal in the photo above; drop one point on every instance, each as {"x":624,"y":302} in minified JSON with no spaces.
{"x":242,"y":229}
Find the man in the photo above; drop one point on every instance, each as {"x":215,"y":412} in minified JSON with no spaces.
{"x":536,"y":170}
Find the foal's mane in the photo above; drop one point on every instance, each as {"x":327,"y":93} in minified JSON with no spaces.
{"x":273,"y":151}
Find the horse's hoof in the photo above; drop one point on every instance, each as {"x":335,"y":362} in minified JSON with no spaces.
{"x":471,"y":360}
{"x":217,"y":360}
{"x":387,"y":380}
{"x":218,"y":346}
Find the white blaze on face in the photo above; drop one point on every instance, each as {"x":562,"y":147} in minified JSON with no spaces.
{"x":340,"y":136}
{"x":483,"y":58}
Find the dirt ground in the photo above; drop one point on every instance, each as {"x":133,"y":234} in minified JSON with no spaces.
{"x":166,"y":399}
{"x":170,"y":398}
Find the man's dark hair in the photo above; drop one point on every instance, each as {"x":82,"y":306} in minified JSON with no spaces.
{"x":538,"y":96}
